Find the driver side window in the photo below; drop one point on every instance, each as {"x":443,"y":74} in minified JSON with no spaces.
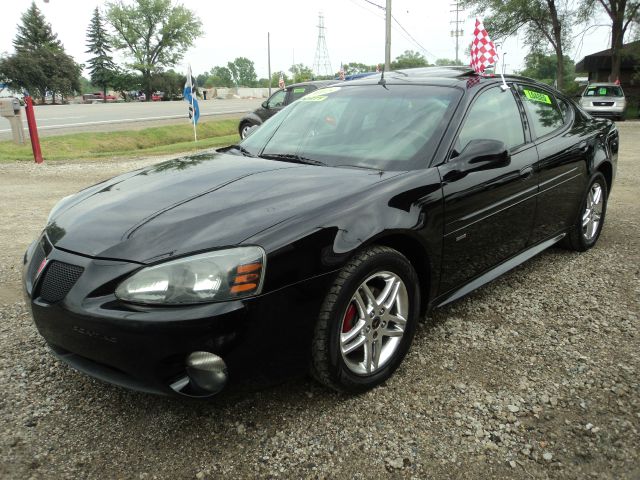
{"x":493,"y":116}
{"x":277,"y":99}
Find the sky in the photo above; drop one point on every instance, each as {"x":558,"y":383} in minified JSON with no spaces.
{"x":354,"y":31}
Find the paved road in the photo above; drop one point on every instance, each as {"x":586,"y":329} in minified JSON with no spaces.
{"x":61,"y":119}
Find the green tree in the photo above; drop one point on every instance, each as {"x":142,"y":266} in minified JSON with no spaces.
{"x":243,"y":72}
{"x":202,"y":79}
{"x":543,"y":23}
{"x":300,"y":73}
{"x":124,"y":81}
{"x":154,"y":33}
{"x":101,"y":66}
{"x":409,"y":59}
{"x":220,"y":77}
{"x":623,"y":14}
{"x":353,"y":68}
{"x":35,"y":32}
{"x":545,"y":69}
{"x":169,"y":82}
{"x":444,"y":62}
{"x":275,"y":78}
{"x":86,"y":86}
{"x":39,"y":64}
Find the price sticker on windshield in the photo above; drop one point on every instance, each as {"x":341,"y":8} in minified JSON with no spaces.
{"x":319,"y":95}
{"x":602,"y":92}
{"x":536,"y":96}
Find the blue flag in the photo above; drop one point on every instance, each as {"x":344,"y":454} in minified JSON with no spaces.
{"x":189,"y":95}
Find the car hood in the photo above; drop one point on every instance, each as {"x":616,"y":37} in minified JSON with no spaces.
{"x":195,"y":203}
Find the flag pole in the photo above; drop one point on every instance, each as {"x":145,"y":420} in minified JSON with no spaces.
{"x":193,"y":117}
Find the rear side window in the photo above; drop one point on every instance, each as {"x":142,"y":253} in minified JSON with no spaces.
{"x":603,"y":91}
{"x":299,"y":92}
{"x":543,"y":109}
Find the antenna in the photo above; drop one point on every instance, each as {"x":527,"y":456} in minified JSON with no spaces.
{"x":457,"y":31}
{"x":321,"y":62}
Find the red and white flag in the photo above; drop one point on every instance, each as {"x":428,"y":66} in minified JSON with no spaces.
{"x":341,"y":74}
{"x":483,"y":51}
{"x":377,"y":68}
{"x":281,"y":81}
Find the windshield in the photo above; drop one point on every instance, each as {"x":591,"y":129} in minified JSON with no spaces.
{"x":370,"y":126}
{"x":603,"y":91}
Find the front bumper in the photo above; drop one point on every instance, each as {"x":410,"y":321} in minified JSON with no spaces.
{"x":606,"y":112}
{"x":261,"y":340}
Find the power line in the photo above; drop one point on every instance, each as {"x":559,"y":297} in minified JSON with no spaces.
{"x":411,"y":37}
{"x":403,"y":30}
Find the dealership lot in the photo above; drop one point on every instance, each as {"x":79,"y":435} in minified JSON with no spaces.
{"x":535,"y":375}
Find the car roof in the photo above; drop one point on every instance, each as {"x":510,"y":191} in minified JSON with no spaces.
{"x":603,"y":84}
{"x":318,"y":83}
{"x":454,"y":75}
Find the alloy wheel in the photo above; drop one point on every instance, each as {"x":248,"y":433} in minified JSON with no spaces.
{"x":592,"y":212}
{"x":374,"y":323}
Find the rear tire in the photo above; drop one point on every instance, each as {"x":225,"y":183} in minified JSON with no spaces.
{"x":585,"y":233}
{"x":367,"y":321}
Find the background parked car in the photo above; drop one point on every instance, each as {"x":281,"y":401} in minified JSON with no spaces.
{"x":277,"y":102}
{"x":604,"y":100}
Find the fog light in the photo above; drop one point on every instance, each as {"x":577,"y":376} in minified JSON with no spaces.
{"x":207,"y":372}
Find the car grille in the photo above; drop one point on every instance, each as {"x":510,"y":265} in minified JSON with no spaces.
{"x":603,"y":104}
{"x":58,"y":279}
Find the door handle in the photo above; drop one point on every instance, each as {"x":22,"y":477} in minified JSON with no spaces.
{"x":526,"y":173}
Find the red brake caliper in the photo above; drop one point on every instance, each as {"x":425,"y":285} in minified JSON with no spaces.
{"x":349,"y":316}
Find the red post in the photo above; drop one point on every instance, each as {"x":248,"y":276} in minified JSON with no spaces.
{"x":33,"y":129}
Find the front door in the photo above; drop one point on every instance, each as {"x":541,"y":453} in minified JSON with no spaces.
{"x":488,"y":214}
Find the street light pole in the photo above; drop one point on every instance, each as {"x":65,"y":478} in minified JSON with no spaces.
{"x":269,"y":59}
{"x":387,"y":42}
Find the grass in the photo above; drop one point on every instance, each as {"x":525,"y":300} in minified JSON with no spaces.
{"x":148,"y":142}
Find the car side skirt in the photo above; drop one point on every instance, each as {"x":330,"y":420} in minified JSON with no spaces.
{"x":495,"y":272}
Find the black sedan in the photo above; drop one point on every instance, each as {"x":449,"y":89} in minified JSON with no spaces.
{"x":317,"y":243}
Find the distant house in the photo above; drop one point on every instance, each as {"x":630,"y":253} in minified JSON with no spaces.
{"x":598,"y":67}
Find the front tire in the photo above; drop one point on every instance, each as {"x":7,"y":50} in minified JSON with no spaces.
{"x":585,"y":233}
{"x":244,"y":129}
{"x":367,"y":321}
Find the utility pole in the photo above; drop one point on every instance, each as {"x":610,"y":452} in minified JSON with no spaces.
{"x":387,"y":38}
{"x":457,"y":31}
{"x":269,"y":59}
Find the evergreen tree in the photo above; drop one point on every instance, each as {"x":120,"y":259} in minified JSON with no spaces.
{"x":101,"y":66}
{"x":39,"y":63}
{"x":35,"y":32}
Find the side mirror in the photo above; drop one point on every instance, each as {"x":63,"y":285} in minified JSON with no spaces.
{"x":477,"y":156}
{"x":265,"y":105}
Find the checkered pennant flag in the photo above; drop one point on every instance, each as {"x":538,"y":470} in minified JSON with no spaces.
{"x":483,"y":51}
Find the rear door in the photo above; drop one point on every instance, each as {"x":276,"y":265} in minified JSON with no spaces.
{"x":488,"y":214}
{"x":298,"y":92}
{"x":563,"y":141}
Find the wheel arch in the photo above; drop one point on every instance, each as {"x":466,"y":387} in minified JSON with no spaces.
{"x":607,"y":170}
{"x":419,"y":258}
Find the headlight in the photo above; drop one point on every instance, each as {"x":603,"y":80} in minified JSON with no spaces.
{"x":214,"y":276}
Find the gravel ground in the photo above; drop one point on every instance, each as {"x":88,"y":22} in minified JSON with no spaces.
{"x":533,"y":376}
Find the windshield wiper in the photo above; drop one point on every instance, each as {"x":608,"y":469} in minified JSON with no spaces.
{"x":291,"y":157}
{"x":241,"y":149}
